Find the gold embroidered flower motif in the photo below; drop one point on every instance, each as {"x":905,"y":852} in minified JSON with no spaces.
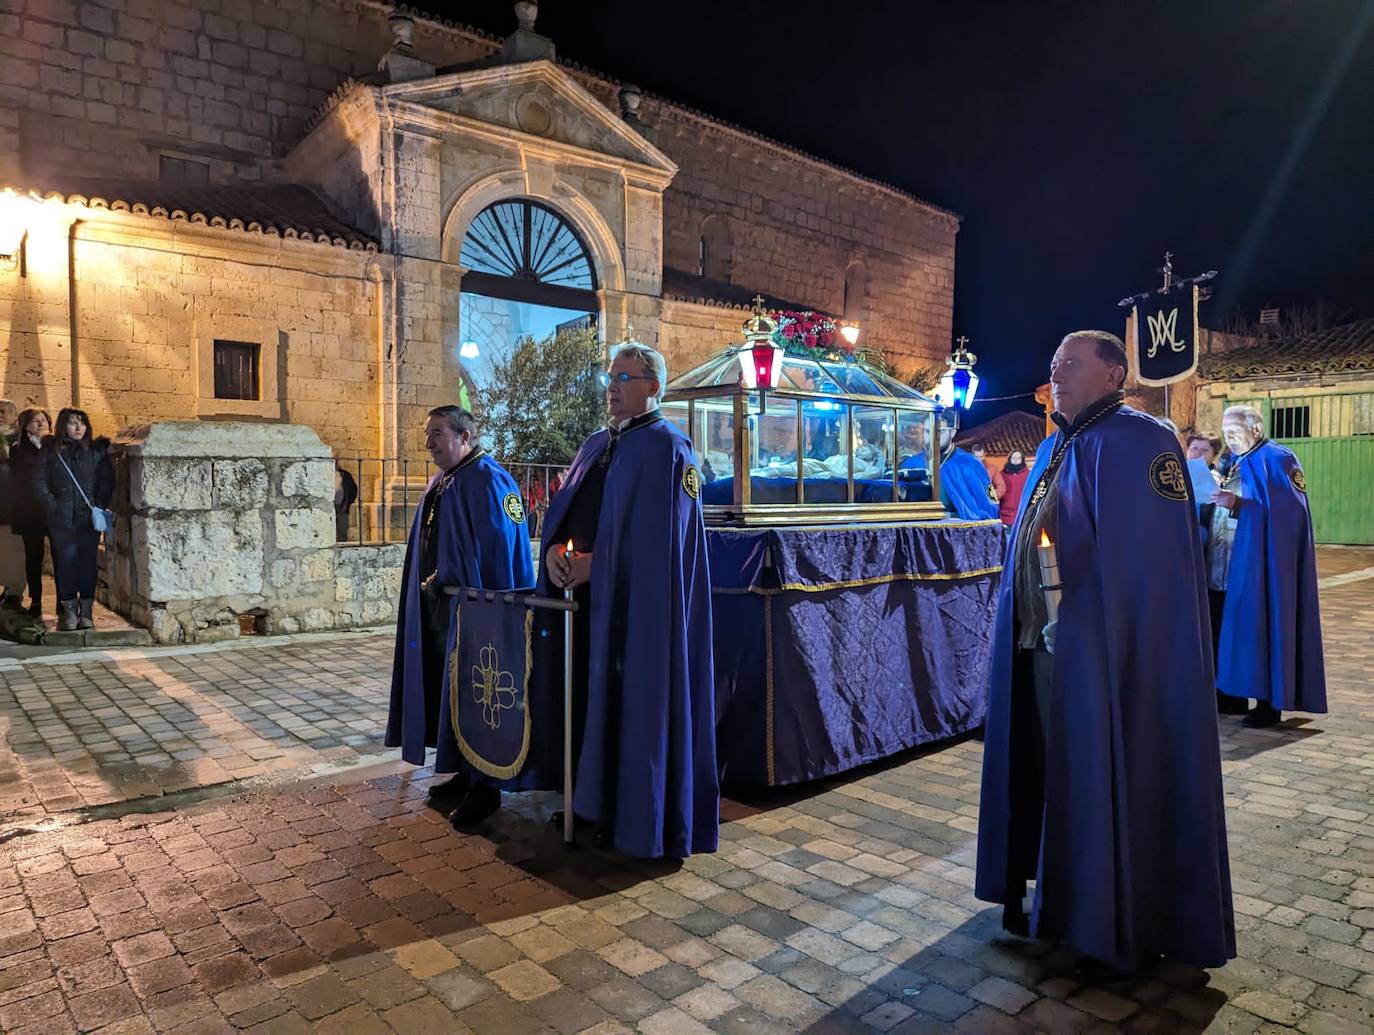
{"x":492,"y":688}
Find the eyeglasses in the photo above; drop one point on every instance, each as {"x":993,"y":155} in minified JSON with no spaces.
{"x":604,"y":379}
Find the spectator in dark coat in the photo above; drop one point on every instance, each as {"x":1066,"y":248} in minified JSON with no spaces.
{"x":345,"y":495}
{"x":1014,"y":474}
{"x":30,"y":521}
{"x":11,"y":546}
{"x":68,"y":459}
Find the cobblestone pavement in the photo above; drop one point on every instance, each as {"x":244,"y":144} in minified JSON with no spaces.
{"x":346,"y":905}
{"x":81,"y":730}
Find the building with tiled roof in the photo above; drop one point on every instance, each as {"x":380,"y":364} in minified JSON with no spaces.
{"x":1316,"y":394}
{"x":341,"y":213}
{"x":1002,"y":435}
{"x":1345,"y":349}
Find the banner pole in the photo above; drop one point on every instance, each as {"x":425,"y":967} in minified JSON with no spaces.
{"x":569,"y":836}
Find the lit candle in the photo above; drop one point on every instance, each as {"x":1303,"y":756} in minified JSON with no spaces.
{"x":567,"y":556}
{"x":1049,"y":575}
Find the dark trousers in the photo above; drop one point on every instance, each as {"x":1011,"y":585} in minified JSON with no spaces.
{"x":1216,"y":605}
{"x":74,"y":562}
{"x":33,"y":563}
{"x":1031,"y":702}
{"x":434,"y":649}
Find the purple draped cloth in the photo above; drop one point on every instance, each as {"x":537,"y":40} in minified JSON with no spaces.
{"x":837,"y":647}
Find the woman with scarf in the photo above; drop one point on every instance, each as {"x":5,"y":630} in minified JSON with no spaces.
{"x":1014,"y":475}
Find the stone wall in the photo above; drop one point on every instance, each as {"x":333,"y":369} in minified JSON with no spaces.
{"x":118,"y":314}
{"x":215,"y":521}
{"x":112,"y":86}
{"x":691,"y":333}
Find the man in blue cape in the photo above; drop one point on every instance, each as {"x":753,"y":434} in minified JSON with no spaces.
{"x":1270,"y":639}
{"x":965,"y":487}
{"x":1101,"y":763}
{"x":630,"y":507}
{"x":469,"y":531}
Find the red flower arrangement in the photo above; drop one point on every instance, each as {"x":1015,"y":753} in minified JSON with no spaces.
{"x":810,"y":334}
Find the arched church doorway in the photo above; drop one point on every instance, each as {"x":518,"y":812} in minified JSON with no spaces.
{"x":529,"y":275}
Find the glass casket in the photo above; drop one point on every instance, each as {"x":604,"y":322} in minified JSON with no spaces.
{"x":835,"y":441}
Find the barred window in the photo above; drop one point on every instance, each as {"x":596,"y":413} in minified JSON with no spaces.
{"x":236,"y":370}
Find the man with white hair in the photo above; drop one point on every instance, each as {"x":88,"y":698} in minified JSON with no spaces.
{"x":625,"y":534}
{"x":1263,"y":563}
{"x":1101,"y":764}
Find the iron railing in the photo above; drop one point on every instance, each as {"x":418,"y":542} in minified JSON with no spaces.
{"x":389,"y":490}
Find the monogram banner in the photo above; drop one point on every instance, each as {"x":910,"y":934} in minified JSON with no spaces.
{"x":1166,"y":345}
{"x":488,"y":682}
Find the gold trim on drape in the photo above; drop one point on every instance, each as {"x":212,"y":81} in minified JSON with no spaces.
{"x":498,"y":772}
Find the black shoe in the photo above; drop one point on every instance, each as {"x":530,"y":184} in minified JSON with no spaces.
{"x":451,"y":790}
{"x":1264,"y":714}
{"x":1228,"y":705}
{"x":35,"y":611}
{"x":479,"y":803}
{"x":13,"y":602}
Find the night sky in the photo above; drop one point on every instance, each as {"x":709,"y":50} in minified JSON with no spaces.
{"x":1079,"y":141}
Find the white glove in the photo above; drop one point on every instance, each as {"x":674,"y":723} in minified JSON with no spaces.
{"x":1048,"y":635}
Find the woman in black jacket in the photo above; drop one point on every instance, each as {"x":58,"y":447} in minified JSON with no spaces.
{"x":29,"y":520}
{"x":70,"y":458}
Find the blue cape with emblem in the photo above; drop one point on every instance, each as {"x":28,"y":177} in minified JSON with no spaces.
{"x":648,"y":758}
{"x":480,"y":545}
{"x":1131,"y":854}
{"x":1271,"y":636}
{"x":965,"y":487}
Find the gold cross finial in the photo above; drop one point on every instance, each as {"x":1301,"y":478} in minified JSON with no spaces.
{"x":758,"y":302}
{"x":962,"y":340}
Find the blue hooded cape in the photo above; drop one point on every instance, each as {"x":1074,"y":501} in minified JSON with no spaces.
{"x":651,"y":662}
{"x":1132,"y":857}
{"x":965,"y":487}
{"x":1271,"y":636}
{"x":481,"y":544}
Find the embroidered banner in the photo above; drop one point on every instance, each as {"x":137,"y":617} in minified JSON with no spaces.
{"x":489,"y":674}
{"x":1166,"y":344}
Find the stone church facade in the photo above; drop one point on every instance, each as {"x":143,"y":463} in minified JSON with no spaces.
{"x":257,"y":209}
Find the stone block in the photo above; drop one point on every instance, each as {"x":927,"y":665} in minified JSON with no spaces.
{"x":317,"y":566}
{"x":304,"y":528}
{"x":343,"y":589}
{"x":194,"y":556}
{"x":181,"y":484}
{"x":313,"y":478}
{"x":317,"y":619}
{"x":229,"y":439}
{"x":283,"y":573}
{"x":240,"y":484}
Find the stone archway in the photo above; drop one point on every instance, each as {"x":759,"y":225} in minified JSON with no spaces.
{"x":598,"y":237}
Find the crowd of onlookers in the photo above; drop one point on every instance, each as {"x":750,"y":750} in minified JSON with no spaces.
{"x":53,"y":480}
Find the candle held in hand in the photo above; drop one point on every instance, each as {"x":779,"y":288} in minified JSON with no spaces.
{"x":567,"y":556}
{"x":1049,"y":575}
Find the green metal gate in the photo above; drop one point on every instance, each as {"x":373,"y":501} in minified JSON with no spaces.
{"x":1333,"y":437}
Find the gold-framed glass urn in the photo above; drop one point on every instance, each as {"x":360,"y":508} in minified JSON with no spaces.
{"x":834,"y":441}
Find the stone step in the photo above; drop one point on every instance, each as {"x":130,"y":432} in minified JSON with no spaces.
{"x":111,"y":630}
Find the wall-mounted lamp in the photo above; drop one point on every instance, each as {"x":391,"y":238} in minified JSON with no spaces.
{"x":15,"y":212}
{"x":849,"y":331}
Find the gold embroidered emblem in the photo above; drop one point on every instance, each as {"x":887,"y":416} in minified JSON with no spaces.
{"x":691,"y":481}
{"x":515,"y":510}
{"x":1167,"y":478}
{"x":992,"y":493}
{"x":1299,"y":479}
{"x":492,"y":688}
